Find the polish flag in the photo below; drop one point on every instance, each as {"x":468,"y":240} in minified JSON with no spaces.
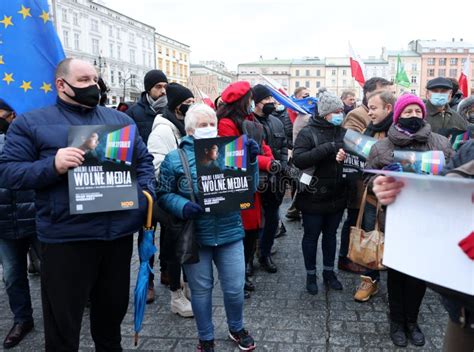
{"x":206,"y":100}
{"x":275,"y":85}
{"x":357,"y":66}
{"x":464,"y":78}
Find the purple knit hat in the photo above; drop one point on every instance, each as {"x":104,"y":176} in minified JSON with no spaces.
{"x":403,"y":101}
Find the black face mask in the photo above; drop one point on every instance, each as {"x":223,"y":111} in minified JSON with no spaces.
{"x":4,"y":126}
{"x":268,"y":108}
{"x":411,"y":124}
{"x":183,"y":109}
{"x":88,"y":96}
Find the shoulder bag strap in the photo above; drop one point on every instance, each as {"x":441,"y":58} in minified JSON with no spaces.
{"x":361,"y":209}
{"x":187,"y":172}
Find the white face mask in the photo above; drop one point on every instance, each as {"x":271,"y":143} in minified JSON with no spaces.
{"x":205,"y":132}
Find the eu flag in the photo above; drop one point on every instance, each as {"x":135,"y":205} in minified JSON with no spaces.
{"x":29,"y":53}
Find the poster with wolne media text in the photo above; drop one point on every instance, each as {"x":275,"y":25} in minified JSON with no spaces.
{"x":106,"y":181}
{"x":224,"y":180}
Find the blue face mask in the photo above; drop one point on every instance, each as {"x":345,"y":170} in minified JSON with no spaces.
{"x":337,"y":119}
{"x":439,"y":99}
{"x":251,"y":108}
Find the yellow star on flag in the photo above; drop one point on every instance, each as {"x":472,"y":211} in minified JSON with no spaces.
{"x":8,"y":78}
{"x":7,"y":21}
{"x":45,"y":16}
{"x":46,"y":87}
{"x":26,"y":86}
{"x":1,"y":60}
{"x":25,"y":11}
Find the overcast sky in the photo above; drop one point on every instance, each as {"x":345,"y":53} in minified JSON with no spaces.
{"x":240,"y":31}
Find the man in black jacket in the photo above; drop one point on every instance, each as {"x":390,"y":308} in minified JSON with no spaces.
{"x":153,"y":101}
{"x":17,"y":235}
{"x":274,"y":135}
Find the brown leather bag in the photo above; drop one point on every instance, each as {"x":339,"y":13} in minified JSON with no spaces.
{"x":366,"y":248}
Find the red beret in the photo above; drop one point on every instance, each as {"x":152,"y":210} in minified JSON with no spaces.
{"x":235,"y":91}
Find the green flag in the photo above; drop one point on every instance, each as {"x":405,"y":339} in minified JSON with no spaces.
{"x":401,"y":77}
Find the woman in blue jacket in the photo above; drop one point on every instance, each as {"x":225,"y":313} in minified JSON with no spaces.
{"x":219,"y":237}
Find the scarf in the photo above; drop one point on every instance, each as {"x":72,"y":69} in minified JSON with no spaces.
{"x":383,"y":126}
{"x":158,"y":104}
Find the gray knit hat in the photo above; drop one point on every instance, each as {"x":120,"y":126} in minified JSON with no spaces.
{"x":328,"y":103}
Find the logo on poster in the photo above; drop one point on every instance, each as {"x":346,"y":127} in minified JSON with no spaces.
{"x":128,"y":204}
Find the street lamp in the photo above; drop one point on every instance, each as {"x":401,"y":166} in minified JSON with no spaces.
{"x":100,"y":63}
{"x":124,"y":82}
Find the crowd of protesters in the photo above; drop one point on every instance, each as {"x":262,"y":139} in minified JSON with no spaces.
{"x":85,"y":259}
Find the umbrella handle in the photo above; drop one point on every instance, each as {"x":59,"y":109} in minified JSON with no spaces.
{"x":150,"y":209}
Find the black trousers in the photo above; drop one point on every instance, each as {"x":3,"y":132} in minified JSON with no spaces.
{"x":250,"y":244}
{"x":70,"y":274}
{"x":405,"y":294}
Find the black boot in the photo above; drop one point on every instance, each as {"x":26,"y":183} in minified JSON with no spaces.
{"x":415,"y":335}
{"x":249,"y":286}
{"x":249,"y":269}
{"x":268,"y":265}
{"x":311,"y":284}
{"x":397,"y":334}
{"x":330,"y":280}
{"x":282,"y":231}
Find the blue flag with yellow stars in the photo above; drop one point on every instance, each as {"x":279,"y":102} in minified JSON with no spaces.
{"x":29,"y":53}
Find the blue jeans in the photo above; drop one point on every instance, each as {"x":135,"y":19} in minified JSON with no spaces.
{"x":267,"y":236}
{"x":313,"y":225}
{"x":13,"y":257}
{"x":229,"y":260}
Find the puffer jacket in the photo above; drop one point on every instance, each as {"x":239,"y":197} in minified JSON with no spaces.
{"x":164,"y":137}
{"x":210,"y":230}
{"x":27,"y":162}
{"x":143,"y":115}
{"x":274,"y":135}
{"x":287,"y":124}
{"x":327,"y":190}
{"x":17,"y":211}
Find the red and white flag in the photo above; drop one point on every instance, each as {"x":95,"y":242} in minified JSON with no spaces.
{"x":206,"y":100}
{"x":275,"y":85}
{"x":357,"y":66}
{"x":465,"y":76}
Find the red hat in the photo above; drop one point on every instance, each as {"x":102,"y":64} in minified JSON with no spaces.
{"x":235,"y":91}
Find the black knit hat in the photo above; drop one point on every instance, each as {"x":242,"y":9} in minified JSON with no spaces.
{"x":260,"y":92}
{"x":5,"y":106}
{"x":176,"y":94}
{"x":153,"y":77}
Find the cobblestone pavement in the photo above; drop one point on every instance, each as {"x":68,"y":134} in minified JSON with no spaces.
{"x":280,"y":314}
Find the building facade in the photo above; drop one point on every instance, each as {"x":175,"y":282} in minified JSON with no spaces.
{"x":442,"y":59}
{"x":307,"y":72}
{"x":209,"y":77}
{"x":278,"y":70}
{"x":172,"y":57}
{"x":121,"y":48}
{"x":338,"y":76}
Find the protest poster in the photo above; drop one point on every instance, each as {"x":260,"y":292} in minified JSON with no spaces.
{"x":224,"y":181}
{"x":430,"y":216}
{"x":357,"y":147}
{"x":429,"y":163}
{"x":459,"y":137}
{"x":106,"y":181}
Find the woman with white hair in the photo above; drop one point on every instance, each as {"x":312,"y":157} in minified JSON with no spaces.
{"x":219,"y":236}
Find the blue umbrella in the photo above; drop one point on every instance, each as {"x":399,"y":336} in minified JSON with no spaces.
{"x":146,"y":249}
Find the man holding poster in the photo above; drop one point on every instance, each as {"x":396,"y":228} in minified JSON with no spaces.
{"x":85,"y":255}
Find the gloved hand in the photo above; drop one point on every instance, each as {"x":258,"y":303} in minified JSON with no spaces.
{"x":253,"y":149}
{"x":397,"y":167}
{"x":467,"y":245}
{"x":191,"y":210}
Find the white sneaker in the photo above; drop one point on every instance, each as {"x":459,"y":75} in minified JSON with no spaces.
{"x":180,"y":304}
{"x":187,"y":291}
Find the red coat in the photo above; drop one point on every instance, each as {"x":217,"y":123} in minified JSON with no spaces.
{"x":252,"y":218}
